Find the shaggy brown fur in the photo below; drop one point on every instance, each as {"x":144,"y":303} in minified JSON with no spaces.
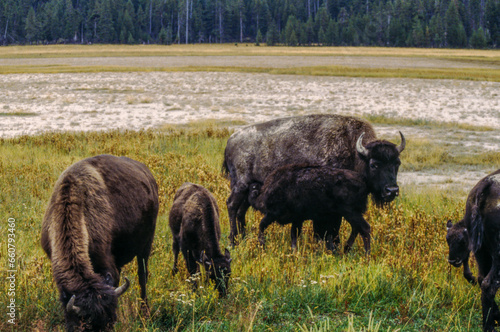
{"x":479,"y":232}
{"x":101,"y":215}
{"x":194,"y":221}
{"x":295,"y":193}
{"x":254,"y":151}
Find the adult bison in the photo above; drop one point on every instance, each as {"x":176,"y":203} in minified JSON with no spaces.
{"x":254,"y":151}
{"x":101,"y":215}
{"x":480,"y":229}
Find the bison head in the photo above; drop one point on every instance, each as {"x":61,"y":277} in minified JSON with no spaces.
{"x":382,"y":165}
{"x":458,"y":243}
{"x":253,"y":193}
{"x":93,"y":309}
{"x":218,"y":270}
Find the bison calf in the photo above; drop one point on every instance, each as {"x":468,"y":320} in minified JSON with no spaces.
{"x":458,"y":242}
{"x":294,"y":193}
{"x":479,"y":232}
{"x":194,"y":222}
{"x":101,"y":215}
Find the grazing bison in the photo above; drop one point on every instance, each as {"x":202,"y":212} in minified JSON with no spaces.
{"x":254,"y":151}
{"x":194,"y":221}
{"x":294,"y":193}
{"x":101,"y":215}
{"x":480,"y":229}
{"x":458,"y":242}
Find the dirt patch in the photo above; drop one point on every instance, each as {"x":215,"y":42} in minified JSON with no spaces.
{"x":81,"y":102}
{"x":36,"y":103}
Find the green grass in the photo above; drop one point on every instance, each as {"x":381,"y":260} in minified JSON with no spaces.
{"x":406,"y":285}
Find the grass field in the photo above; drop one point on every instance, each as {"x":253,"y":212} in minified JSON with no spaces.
{"x":406,"y":285}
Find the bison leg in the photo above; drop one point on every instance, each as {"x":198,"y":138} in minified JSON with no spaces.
{"x":175,"y":249}
{"x":240,"y":217}
{"x":491,"y":313}
{"x":328,"y":229}
{"x":296,"y":230}
{"x":359,"y":226}
{"x":489,"y":287}
{"x":467,"y":272}
{"x":143,"y":272}
{"x":264,"y":223}
{"x":234,"y":203}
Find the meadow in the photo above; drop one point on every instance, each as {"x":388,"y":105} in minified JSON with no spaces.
{"x":405,"y":285}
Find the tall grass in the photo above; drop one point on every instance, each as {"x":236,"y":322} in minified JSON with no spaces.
{"x":406,"y":285}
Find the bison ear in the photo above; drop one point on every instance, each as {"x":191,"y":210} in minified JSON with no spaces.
{"x":108,"y":279}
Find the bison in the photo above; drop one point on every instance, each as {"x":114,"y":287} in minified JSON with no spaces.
{"x":344,"y":142}
{"x":294,"y":193}
{"x":194,"y":222}
{"x":458,"y":242}
{"x":479,"y":232}
{"x":101,"y":215}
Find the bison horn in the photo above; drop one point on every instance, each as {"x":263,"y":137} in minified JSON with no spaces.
{"x":72,"y":307}
{"x":401,"y":146}
{"x":359,"y":146}
{"x":123,"y":288}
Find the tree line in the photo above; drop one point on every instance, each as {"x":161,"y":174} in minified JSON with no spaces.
{"x":399,"y":23}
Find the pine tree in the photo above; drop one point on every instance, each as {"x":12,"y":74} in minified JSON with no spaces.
{"x":32,"y":26}
{"x":455,"y":32}
{"x":478,"y":39}
{"x":258,"y":38}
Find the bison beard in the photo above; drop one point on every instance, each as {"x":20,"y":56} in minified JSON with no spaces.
{"x":101,"y":215}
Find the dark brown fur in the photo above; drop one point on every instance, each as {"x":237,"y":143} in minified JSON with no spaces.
{"x":101,"y":215}
{"x":480,"y":229}
{"x":294,"y":193}
{"x":194,"y":221}
{"x":254,"y":151}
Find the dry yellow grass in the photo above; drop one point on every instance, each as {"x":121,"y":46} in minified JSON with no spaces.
{"x":240,"y":50}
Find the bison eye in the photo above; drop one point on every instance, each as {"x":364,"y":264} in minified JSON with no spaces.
{"x":374,"y":165}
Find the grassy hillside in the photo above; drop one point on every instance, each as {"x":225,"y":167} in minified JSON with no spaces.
{"x":406,"y":285}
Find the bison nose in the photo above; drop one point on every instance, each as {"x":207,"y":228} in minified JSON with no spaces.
{"x":392,"y":191}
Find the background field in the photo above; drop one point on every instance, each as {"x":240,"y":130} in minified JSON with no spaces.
{"x":406,"y":285}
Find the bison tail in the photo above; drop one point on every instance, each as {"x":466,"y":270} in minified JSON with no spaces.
{"x":225,"y":168}
{"x":476,"y":219}
{"x":477,"y":231}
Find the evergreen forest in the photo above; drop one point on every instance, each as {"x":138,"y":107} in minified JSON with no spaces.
{"x":393,"y":23}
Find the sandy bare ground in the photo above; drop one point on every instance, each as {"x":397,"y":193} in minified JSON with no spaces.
{"x":36,"y":103}
{"x":144,"y":100}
